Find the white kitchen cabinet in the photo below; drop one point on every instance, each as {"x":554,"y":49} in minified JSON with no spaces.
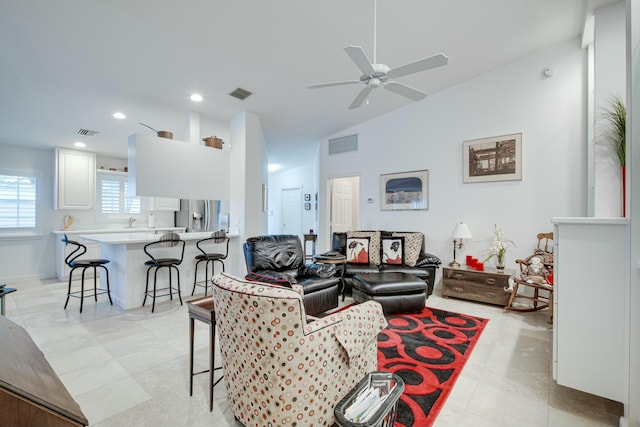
{"x":75,"y":177}
{"x":589,"y":335}
{"x":164,"y":204}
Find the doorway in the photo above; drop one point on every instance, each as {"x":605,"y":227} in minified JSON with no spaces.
{"x":344,"y":212}
{"x":291,"y":216}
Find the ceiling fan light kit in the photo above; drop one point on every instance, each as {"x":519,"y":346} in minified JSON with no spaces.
{"x":376,"y":75}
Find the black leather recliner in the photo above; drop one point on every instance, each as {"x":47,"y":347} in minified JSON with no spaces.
{"x":281,"y":256}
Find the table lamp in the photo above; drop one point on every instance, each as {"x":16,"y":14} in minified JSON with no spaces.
{"x":461,"y":231}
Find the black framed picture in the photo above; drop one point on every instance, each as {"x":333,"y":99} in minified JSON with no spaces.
{"x":307,"y":197}
{"x":307,"y":206}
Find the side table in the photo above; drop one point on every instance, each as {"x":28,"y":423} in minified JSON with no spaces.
{"x":339,"y":261}
{"x":203,"y":310}
{"x":488,"y":286}
{"x":309,"y":238}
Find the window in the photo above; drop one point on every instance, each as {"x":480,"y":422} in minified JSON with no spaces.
{"x":18,"y":200}
{"x":112,"y":196}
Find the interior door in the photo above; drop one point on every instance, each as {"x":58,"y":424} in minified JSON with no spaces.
{"x":291,"y":211}
{"x":344,"y":208}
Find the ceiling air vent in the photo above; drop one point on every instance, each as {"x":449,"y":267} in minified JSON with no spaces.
{"x":343,"y":144}
{"x":87,"y":132}
{"x":241,"y":94}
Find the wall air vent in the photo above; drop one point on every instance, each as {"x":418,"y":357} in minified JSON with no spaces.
{"x":343,"y":144}
{"x":87,"y":132}
{"x":241,"y":94}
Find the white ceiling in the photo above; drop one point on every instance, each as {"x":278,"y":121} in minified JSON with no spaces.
{"x":69,"y":64}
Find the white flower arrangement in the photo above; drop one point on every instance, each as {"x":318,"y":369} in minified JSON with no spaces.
{"x":499,"y":246}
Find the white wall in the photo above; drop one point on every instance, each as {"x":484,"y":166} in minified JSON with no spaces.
{"x":304,"y":177}
{"x":632,"y":411}
{"x":609,"y":80}
{"x":429,"y":135}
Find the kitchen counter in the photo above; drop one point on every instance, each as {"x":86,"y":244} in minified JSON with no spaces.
{"x":127,"y":272}
{"x":74,"y":231}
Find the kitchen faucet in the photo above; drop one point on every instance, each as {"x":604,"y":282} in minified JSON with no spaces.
{"x":131,"y":220}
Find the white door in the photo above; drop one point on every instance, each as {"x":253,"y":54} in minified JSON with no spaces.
{"x":344,"y":209}
{"x":291,"y":211}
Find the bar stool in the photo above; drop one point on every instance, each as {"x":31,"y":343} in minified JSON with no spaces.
{"x":4,"y":291}
{"x":163,"y":254}
{"x":203,"y":309}
{"x":74,"y":263}
{"x":214,"y":248}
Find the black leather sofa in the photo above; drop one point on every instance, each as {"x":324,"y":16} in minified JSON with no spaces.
{"x":425,"y":267}
{"x":281,"y":256}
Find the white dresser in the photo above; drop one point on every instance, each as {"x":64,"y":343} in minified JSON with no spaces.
{"x":590,"y":305}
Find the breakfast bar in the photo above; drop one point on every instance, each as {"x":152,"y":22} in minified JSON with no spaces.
{"x":127,"y":271}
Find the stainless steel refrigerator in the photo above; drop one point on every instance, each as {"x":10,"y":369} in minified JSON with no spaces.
{"x":198,"y":215}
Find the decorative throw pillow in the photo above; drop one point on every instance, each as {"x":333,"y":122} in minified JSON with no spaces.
{"x":358,"y":250}
{"x":374,"y":244}
{"x":393,"y":250}
{"x":412,"y":247}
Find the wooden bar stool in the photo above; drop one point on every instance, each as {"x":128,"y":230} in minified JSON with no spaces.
{"x":202,"y":309}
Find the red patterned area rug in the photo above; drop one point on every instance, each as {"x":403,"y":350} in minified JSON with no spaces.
{"x":428,"y":351}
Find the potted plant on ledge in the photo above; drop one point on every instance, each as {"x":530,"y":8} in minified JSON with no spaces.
{"x":615,"y":116}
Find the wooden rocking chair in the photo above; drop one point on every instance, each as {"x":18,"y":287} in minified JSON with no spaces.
{"x":536,"y":271}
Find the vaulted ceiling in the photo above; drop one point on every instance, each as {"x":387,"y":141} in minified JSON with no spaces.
{"x":69,"y":64}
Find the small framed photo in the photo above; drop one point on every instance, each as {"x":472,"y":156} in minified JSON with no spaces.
{"x":307,"y":206}
{"x":404,"y":191}
{"x":498,"y":158}
{"x":307,"y":197}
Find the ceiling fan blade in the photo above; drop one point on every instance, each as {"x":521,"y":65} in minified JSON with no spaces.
{"x":406,"y":91}
{"x":360,"y":98}
{"x":358,"y":56}
{"x":329,"y":84}
{"x":421,"y":65}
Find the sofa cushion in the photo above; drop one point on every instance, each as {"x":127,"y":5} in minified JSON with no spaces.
{"x":351,"y":269}
{"x":358,"y":250}
{"x":374,"y":244}
{"x":412,"y":246}
{"x":267,"y":280}
{"x":392,"y":250}
{"x":418,"y":272}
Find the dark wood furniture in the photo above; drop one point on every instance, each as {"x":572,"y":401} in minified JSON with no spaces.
{"x":339,"y":261}
{"x":203,"y":309}
{"x":539,"y":281}
{"x":308,"y":256}
{"x":31,"y":394}
{"x":488,"y":286}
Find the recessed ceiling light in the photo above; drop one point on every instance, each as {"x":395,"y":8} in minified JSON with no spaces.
{"x":119,"y":115}
{"x":79,"y":144}
{"x":196,"y":97}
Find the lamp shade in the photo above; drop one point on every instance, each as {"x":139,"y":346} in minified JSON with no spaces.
{"x":461,"y":232}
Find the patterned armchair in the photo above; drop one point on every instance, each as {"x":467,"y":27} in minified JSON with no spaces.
{"x":281,"y":369}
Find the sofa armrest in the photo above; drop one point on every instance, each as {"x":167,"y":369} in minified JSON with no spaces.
{"x":427,"y":260}
{"x":290,"y":277}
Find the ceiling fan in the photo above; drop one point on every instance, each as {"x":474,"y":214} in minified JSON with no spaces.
{"x":376,"y":75}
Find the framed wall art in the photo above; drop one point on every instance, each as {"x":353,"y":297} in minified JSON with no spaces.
{"x":404,"y":191}
{"x":498,"y":158}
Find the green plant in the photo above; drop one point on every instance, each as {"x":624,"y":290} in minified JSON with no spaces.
{"x":615,"y":135}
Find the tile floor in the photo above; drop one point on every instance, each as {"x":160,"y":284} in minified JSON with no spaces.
{"x":130,"y":368}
